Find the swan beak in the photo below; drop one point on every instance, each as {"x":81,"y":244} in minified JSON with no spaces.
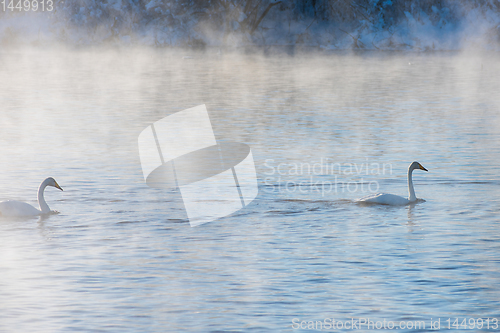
{"x":422,"y":168}
{"x":59,"y":187}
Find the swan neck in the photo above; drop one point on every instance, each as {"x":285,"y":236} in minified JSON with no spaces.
{"x":41,"y":200}
{"x":411,"y":190}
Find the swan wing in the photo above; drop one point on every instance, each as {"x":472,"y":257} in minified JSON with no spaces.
{"x":384,"y":199}
{"x":17,"y":208}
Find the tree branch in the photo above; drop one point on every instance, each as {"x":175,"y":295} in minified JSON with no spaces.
{"x":256,"y":24}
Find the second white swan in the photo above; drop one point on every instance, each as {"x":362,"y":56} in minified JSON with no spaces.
{"x":19,"y":208}
{"x":395,"y":200}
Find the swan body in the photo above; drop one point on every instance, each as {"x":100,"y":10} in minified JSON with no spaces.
{"x":395,"y":200}
{"x":385,"y":199}
{"x":18,"y":208}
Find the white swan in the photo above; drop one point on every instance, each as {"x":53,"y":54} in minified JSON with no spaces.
{"x":19,"y":208}
{"x":391,"y":199}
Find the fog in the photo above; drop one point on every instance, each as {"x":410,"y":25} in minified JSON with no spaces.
{"x":333,"y":99}
{"x":322,"y":24}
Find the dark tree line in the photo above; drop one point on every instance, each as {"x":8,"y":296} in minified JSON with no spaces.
{"x":103,"y":21}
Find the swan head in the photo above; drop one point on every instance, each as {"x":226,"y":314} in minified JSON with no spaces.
{"x":52,"y":182}
{"x":416,"y":165}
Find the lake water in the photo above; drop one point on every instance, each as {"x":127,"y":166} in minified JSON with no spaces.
{"x":324,"y":129}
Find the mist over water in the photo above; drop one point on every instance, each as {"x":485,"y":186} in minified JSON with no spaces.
{"x":121,"y":256}
{"x":418,"y":25}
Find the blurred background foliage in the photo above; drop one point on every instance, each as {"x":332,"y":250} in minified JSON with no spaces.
{"x":197,"y":23}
